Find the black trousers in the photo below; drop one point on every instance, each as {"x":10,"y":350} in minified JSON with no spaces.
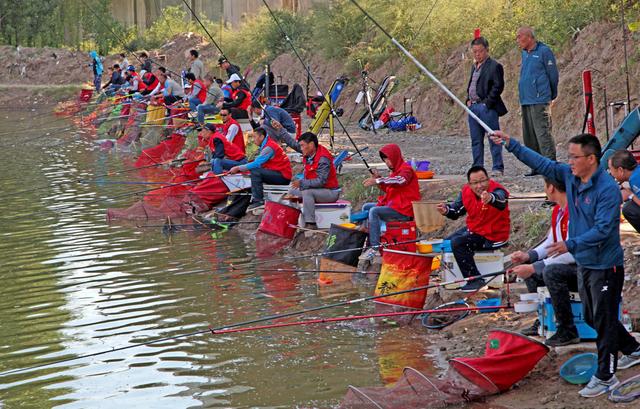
{"x":631,"y":212}
{"x":464,"y":244}
{"x":600,"y":293}
{"x":559,"y":279}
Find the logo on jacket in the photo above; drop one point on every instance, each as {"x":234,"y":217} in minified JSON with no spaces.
{"x":587,"y":200}
{"x":604,"y":288}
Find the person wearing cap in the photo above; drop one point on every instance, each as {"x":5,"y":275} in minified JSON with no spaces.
{"x":197,"y":67}
{"x":214,"y":99}
{"x":198,"y":93}
{"x":224,"y":155}
{"x":278,"y":124}
{"x":240,"y":98}
{"x":133,"y":79}
{"x":232,"y":69}
{"x":271,"y":166}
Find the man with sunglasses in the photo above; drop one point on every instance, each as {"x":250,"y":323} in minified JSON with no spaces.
{"x":594,"y":200}
{"x":485,"y":203}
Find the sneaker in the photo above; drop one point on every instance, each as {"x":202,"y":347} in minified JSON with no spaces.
{"x":532,"y":331}
{"x":597,"y":387}
{"x":531,"y":174}
{"x":562,"y":338}
{"x":369,"y":255}
{"x":627,"y":361}
{"x":473,"y":285}
{"x":497,"y":173}
{"x":255,"y":206}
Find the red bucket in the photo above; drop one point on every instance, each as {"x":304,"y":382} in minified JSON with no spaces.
{"x":508,"y":358}
{"x":400,"y":232}
{"x":298,"y":121}
{"x":400,"y":271}
{"x":278,"y":220}
{"x":85,"y":95}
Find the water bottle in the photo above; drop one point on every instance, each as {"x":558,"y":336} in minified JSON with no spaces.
{"x":626,"y":321}
{"x":414,"y":164}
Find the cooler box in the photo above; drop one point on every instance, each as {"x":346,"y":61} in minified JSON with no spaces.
{"x":399,"y":232}
{"x":332,"y":213}
{"x":275,"y":192}
{"x":547,"y":317}
{"x":487,"y":262}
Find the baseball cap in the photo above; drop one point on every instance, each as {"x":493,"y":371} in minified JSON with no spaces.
{"x":234,"y":77}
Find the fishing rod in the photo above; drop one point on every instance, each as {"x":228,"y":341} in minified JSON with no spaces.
{"x":381,"y":245}
{"x":356,"y":317}
{"x":315,"y":82}
{"x":210,"y":225}
{"x":424,"y":69}
{"x":249,"y":322}
{"x":290,"y":270}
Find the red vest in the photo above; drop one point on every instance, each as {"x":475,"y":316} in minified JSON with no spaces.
{"x":484,"y":219}
{"x":311,"y":169}
{"x":401,"y":198}
{"x":564,"y":222}
{"x":238,"y":140}
{"x":231,"y":151}
{"x":149,"y":85}
{"x":246,"y":102}
{"x":202,"y":95}
{"x":279,"y":161}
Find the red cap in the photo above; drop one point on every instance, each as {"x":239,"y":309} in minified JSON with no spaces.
{"x":476,"y":33}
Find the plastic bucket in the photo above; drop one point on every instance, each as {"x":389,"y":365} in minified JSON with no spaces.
{"x":278,"y":220}
{"x":397,"y":236}
{"x":579,"y":369}
{"x":343,"y":238}
{"x":85,"y":95}
{"x":427,"y":217}
{"x":402,"y":270}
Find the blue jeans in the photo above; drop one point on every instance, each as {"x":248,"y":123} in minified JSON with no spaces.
{"x":206,"y":109}
{"x":193,"y":103}
{"x":489,"y":117}
{"x":97,"y":82}
{"x":219,"y":165}
{"x":260,"y":176}
{"x":378,"y":214}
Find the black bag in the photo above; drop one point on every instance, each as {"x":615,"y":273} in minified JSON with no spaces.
{"x":237,"y":206}
{"x":342,"y":238}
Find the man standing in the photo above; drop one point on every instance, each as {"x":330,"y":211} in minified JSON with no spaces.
{"x":319,"y":183}
{"x":486,"y":83}
{"x":197,"y":67}
{"x":593,"y":199}
{"x":538,"y":87}
{"x":485,"y":202}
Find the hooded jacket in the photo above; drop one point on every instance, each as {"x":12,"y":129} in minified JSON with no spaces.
{"x":401,"y":188}
{"x":96,"y":63}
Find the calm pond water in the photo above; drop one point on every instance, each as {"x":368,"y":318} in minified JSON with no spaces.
{"x":74,"y":285}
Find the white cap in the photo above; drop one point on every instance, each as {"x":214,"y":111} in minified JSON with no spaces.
{"x":234,"y":77}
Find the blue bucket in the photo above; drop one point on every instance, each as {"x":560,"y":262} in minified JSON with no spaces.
{"x":489,"y":302}
{"x":579,"y":369}
{"x":359,"y":216}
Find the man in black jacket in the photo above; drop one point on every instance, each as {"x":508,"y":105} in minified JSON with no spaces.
{"x":485,"y":86}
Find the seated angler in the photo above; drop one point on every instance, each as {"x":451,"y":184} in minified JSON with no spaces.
{"x":151,"y":84}
{"x":172,"y":91}
{"x":400,"y":189}
{"x":198,"y":93}
{"x":624,"y":168}
{"x":232,"y":129}
{"x":224,"y":155}
{"x":559,"y":274}
{"x":278,"y":124}
{"x":115,"y":81}
{"x":213,"y":102}
{"x":134,"y":83}
{"x":272,"y":166}
{"x":240,"y":98}
{"x":319,"y":183}
{"x":485,"y":203}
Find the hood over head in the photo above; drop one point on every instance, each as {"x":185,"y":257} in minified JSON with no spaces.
{"x":392,"y":151}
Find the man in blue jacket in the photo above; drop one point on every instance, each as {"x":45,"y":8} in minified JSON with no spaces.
{"x":594,"y":200}
{"x":537,"y":87}
{"x":278,"y":124}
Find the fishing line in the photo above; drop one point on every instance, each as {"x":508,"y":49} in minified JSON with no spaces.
{"x":310,"y":75}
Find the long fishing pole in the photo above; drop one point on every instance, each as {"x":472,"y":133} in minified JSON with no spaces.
{"x":250,"y":322}
{"x":315,"y":82}
{"x":424,"y":70}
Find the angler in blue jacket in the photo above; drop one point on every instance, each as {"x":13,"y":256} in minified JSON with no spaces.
{"x":538,"y":87}
{"x":96,"y":64}
{"x":594,"y":199}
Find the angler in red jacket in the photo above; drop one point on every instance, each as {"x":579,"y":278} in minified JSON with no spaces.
{"x":271,"y":166}
{"x":225,"y":155}
{"x":400,"y":189}
{"x":559,"y":274}
{"x":485,"y":202}
{"x":319,"y":183}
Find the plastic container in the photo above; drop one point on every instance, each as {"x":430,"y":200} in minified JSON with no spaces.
{"x":279,"y":220}
{"x":489,"y":302}
{"x":359,"y":216}
{"x":524,"y":307}
{"x":579,"y":369}
{"x":529,"y":297}
{"x":420,"y":165}
{"x":626,"y":321}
